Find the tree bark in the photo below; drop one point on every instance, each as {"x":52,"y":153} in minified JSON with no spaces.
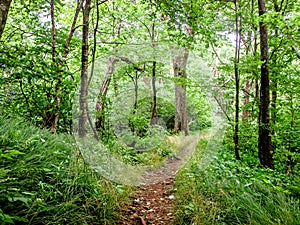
{"x":135,"y":100}
{"x":53,"y":31}
{"x":265,"y":148}
{"x":237,"y":84}
{"x":82,"y":129}
{"x":51,"y":117}
{"x":153,"y":107}
{"x":179,"y":67}
{"x":53,"y":122}
{"x":101,"y":99}
{"x":4,"y":8}
{"x":100,"y":105}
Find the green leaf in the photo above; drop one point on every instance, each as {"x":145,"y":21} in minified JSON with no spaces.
{"x":5,"y":218}
{"x":22,"y":199}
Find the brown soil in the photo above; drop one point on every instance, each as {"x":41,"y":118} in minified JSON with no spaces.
{"x":153,"y":202}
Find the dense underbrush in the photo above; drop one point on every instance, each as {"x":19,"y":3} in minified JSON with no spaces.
{"x":43,"y":180}
{"x":226,"y":191}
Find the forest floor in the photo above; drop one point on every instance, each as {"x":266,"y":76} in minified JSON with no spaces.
{"x":152,"y":203}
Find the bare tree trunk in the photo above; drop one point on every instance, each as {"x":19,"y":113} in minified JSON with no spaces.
{"x":4,"y":8}
{"x":136,"y":91}
{"x":101,"y":99}
{"x":179,"y":66}
{"x":237,"y":83}
{"x":50,"y":120}
{"x":153,"y":107}
{"x":53,"y":31}
{"x":100,"y":105}
{"x":51,"y":117}
{"x":134,"y":79}
{"x":135,"y":100}
{"x":52,"y":124}
{"x":265,"y":148}
{"x":84,"y":71}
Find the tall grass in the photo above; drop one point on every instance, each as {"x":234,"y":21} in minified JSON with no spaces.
{"x":229,"y":192}
{"x":43,"y":180}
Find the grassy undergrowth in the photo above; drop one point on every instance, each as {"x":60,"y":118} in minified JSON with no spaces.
{"x":43,"y":180}
{"x":155,"y":156}
{"x":227,"y":191}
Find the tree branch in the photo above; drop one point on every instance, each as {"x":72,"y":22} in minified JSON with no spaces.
{"x":214,"y":50}
{"x":222,"y":108}
{"x":53,"y":32}
{"x":295,"y":50}
{"x":73,"y":28}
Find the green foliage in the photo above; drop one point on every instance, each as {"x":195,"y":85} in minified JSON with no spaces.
{"x":164,"y":112}
{"x":30,"y":80}
{"x":198,"y":108}
{"x":234,"y":192}
{"x":137,"y":155}
{"x":43,"y":180}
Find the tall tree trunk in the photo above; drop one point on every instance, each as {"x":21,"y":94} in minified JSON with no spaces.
{"x":265,"y":148}
{"x":52,"y":113}
{"x":101,"y":99}
{"x":153,"y":107}
{"x":237,"y":83}
{"x":179,"y":66}
{"x":52,"y":122}
{"x":100,"y":105}
{"x":4,"y":8}
{"x":82,"y":129}
{"x":135,"y":100}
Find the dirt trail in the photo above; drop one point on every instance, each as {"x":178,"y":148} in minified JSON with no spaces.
{"x":153,"y":202}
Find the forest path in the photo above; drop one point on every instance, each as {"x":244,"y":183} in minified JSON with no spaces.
{"x":152,"y":203}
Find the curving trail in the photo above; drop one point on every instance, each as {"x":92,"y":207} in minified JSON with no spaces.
{"x":153,"y":202}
